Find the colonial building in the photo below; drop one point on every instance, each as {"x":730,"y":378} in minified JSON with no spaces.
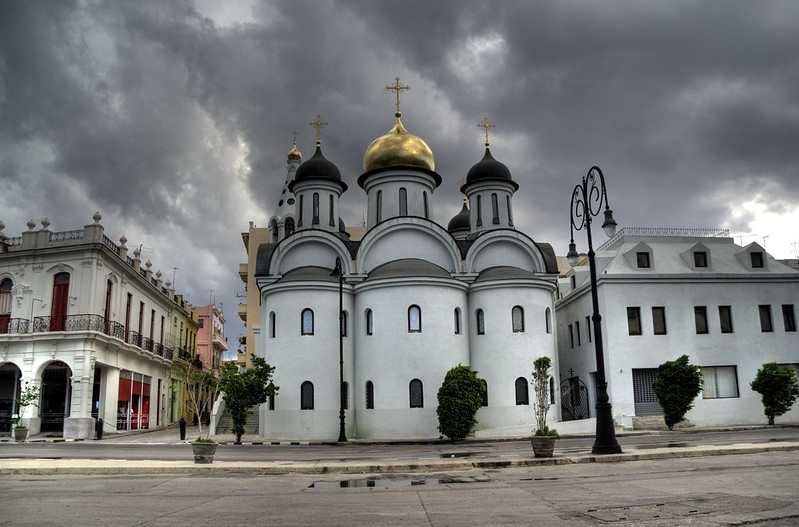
{"x":668,"y":292}
{"x":211,"y":341}
{"x":95,"y":329}
{"x":395,"y":310}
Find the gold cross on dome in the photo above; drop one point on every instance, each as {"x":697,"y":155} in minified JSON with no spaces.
{"x":318,"y":124}
{"x":295,"y":134}
{"x":486,"y":125}
{"x":397,"y":87}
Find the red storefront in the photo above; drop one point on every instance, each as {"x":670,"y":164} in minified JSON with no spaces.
{"x":133,"y":402}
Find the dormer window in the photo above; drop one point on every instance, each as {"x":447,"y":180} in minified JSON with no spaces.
{"x":700,"y":259}
{"x":757,"y":260}
{"x":642,"y":260}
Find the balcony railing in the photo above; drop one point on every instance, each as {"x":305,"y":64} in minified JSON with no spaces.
{"x":71,"y":323}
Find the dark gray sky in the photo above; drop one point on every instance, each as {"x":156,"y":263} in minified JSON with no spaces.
{"x":173,"y":118}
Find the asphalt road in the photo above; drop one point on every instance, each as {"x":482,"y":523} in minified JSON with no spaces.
{"x":750,"y":489}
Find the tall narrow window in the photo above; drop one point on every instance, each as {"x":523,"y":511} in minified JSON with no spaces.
{"x":577,"y":333}
{"x":659,"y":320}
{"x":315,"y":211}
{"x":299,"y":211}
{"x":331,"y":216}
{"x":517,"y":319}
{"x":141,"y":318}
{"x":272,"y":324}
{"x":307,"y":322}
{"x":725,"y":319}
{"x":416,"y":394}
{"x":58,"y":309}
{"x":484,"y":399}
{"x":481,"y":323}
{"x":510,"y":213}
{"x":379,"y":206}
{"x":152,"y":325}
{"x":788,"y":317}
{"x":766,"y":324}
{"x":370,"y":395}
{"x":306,"y":396}
{"x":457,"y":321}
{"x":548,"y":319}
{"x":344,"y":319}
{"x":272,"y":402}
{"x":522,"y":395}
{"x":414,"y":319}
{"x":494,"y":209}
{"x":127,"y":315}
{"x":571,"y":336}
{"x":634,"y":320}
{"x":479,"y":211}
{"x":588,"y":328}
{"x":551,"y":390}
{"x":426,"y":206}
{"x":368,"y":316}
{"x":700,"y":319}
{"x":5,"y":304}
{"x":109,"y":287}
{"x":403,"y":202}
{"x":289,"y":226}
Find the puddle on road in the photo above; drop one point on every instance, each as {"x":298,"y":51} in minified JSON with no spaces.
{"x":661,"y":445}
{"x":458,"y":454}
{"x":364,"y":483}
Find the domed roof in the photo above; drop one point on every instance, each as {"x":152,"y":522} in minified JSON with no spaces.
{"x":294,"y":154}
{"x":489,"y":169}
{"x":460,"y":221}
{"x":398,"y":147}
{"x":317,"y":168}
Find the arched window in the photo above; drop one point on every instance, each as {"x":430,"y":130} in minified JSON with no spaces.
{"x":510,"y":214}
{"x":379,"y":206}
{"x":307,"y":322}
{"x":58,"y":307}
{"x":416,"y":394}
{"x":517,"y":318}
{"x":479,"y":211}
{"x":5,"y":304}
{"x":494,"y":209}
{"x":484,"y":400}
{"x":414,"y":319}
{"x":331,"y":217}
{"x":273,"y":230}
{"x":457,"y":321}
{"x":272,"y":325}
{"x":306,"y":396}
{"x":370,"y":395}
{"x":368,"y":315}
{"x":548,"y":320}
{"x":345,"y":392}
{"x":426,"y":205}
{"x":299,"y":211}
{"x":551,"y":390}
{"x":344,"y":323}
{"x":522,"y":396}
{"x":315,"y":211}
{"x":403,"y":202}
{"x":481,"y":323}
{"x":289,"y":225}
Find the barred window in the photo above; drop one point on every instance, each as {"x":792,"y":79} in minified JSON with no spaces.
{"x":522,"y":394}
{"x":306,"y":396}
{"x":370,"y":395}
{"x":517,"y":318}
{"x":416,"y":394}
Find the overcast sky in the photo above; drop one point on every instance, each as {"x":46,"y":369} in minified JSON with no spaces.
{"x":173,"y":118}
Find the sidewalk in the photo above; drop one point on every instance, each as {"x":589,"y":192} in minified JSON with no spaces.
{"x":389,"y":459}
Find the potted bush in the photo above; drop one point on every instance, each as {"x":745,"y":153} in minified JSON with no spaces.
{"x":28,"y":396}
{"x":201,"y":388}
{"x":544,"y":438}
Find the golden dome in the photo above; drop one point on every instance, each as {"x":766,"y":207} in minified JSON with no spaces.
{"x":294,"y":153}
{"x":398,"y":147}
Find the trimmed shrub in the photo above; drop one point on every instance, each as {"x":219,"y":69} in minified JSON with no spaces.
{"x":778,"y":388}
{"x":459,"y":398}
{"x":676,"y":385}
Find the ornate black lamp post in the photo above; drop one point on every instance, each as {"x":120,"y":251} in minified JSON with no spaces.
{"x":587,"y":200}
{"x":339,"y":272}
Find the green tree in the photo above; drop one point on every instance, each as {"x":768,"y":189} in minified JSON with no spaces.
{"x":459,"y":398}
{"x":778,"y":388}
{"x":29,"y":395}
{"x":676,"y":385}
{"x":245,"y":389}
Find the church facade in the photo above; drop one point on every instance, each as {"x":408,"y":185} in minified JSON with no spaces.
{"x":392,"y":312}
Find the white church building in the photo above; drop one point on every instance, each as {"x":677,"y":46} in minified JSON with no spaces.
{"x":418,"y":298}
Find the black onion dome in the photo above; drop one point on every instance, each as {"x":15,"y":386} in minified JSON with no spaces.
{"x":489,"y":169}
{"x":317,"y":167}
{"x":460,"y":221}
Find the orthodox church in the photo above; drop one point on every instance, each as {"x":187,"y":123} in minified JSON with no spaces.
{"x":391,"y":313}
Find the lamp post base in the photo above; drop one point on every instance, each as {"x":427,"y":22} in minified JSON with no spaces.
{"x":605,"y":441}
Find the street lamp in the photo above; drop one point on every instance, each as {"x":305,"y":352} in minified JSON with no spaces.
{"x":339,"y":272}
{"x":587,"y":200}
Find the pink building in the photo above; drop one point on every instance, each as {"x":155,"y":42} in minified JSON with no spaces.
{"x":211,"y":342}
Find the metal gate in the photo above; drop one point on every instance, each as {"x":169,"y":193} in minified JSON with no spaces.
{"x":573,"y":399}
{"x":645,"y":401}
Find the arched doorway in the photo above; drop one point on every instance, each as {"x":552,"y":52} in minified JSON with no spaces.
{"x":10,"y":376}
{"x":56,"y":396}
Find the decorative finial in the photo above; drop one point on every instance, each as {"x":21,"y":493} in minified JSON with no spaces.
{"x":486,"y":125}
{"x":318,"y":124}
{"x":158,"y":274}
{"x":294,"y":135}
{"x":45,"y":223}
{"x":148,"y":264}
{"x":31,"y":224}
{"x":136,"y":253}
{"x":398,"y":87}
{"x":123,"y":240}
{"x":97,"y":217}
{"x":167,"y":283}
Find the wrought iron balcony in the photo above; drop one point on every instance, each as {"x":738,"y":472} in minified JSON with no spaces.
{"x":14,"y":325}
